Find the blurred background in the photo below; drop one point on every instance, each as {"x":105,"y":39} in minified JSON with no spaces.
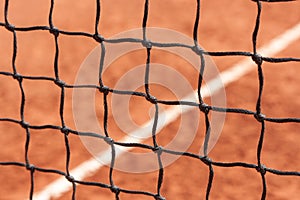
{"x":225,"y":25}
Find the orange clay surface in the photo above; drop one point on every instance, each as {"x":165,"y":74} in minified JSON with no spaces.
{"x":225,"y":25}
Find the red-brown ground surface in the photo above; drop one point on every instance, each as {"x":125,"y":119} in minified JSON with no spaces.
{"x":225,"y":25}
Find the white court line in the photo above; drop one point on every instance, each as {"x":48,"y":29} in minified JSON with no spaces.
{"x":89,"y":167}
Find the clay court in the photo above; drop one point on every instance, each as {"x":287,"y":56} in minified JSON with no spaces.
{"x":224,"y":26}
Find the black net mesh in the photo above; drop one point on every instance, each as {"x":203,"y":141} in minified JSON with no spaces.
{"x":204,"y":108}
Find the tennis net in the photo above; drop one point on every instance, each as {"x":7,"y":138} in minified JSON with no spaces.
{"x":205,"y":109}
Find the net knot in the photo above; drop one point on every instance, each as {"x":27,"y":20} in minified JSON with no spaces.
{"x":54,"y":31}
{"x":257,"y":58}
{"x":10,"y":27}
{"x":98,"y":38}
{"x":261,"y":169}
{"x":65,"y":130}
{"x":158,"y":197}
{"x":151,"y":98}
{"x":198,"y":50}
{"x":147,"y":44}
{"x":60,"y":83}
{"x":18,"y":77}
{"x":104,"y":89}
{"x":158,"y":150}
{"x":109,"y":140}
{"x":115,"y":189}
{"x":30,"y":167}
{"x":70,"y":178}
{"x":24,"y":124}
{"x":204,"y":108}
{"x":206,"y":160}
{"x":260,"y":117}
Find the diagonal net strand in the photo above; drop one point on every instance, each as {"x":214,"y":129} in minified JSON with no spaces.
{"x":204,"y":109}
